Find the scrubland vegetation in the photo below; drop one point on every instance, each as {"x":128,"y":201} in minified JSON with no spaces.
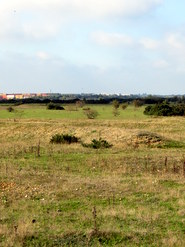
{"x":131,"y":193}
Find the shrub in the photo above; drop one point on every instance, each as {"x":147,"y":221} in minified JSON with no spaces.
{"x":124,"y":106}
{"x":90,"y":113}
{"x":10,"y":109}
{"x":80,"y":103}
{"x":64,"y":138}
{"x":165,"y":109}
{"x":52,"y":106}
{"x":115,"y":104}
{"x":96,"y":144}
{"x":138,"y":103}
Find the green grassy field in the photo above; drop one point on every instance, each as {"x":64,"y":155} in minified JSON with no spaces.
{"x":71,"y":112}
{"x":132,"y":194}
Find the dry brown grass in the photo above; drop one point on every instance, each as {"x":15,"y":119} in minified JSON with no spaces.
{"x":134,"y":193}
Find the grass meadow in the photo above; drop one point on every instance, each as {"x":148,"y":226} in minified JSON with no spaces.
{"x":132,"y":194}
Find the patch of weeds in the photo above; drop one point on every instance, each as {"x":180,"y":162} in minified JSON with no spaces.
{"x":4,"y":200}
{"x":64,"y":206}
{"x":169,"y":184}
{"x":64,"y":138}
{"x":147,"y":239}
{"x":168,"y":205}
{"x":98,"y":238}
{"x":176,"y":224}
{"x":37,"y":241}
{"x":70,"y":206}
{"x":93,"y":131}
{"x":146,"y":198}
{"x":108,"y":238}
{"x":172,"y":144}
{"x":96,"y":144}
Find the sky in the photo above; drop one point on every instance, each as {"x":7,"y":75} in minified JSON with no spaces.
{"x":92,"y":46}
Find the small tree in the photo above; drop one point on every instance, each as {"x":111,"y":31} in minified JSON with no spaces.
{"x":138,"y":103}
{"x":80,"y":103}
{"x":90,"y":113}
{"x":124,"y":106}
{"x":115,"y":104}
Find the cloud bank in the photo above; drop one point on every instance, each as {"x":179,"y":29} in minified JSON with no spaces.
{"x":91,"y":46}
{"x":39,"y":19}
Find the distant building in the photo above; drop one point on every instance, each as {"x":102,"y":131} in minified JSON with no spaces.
{"x":26,"y":96}
{"x":19,"y":96}
{"x":32,"y":95}
{"x":3,"y":96}
{"x":10,"y":96}
{"x":44,"y":94}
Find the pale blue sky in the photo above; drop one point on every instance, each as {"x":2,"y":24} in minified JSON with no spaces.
{"x":92,"y":46}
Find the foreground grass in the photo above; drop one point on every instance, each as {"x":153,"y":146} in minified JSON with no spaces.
{"x":49,"y":199}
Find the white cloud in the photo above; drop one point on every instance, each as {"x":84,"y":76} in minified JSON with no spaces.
{"x":24,"y":16}
{"x":42,"y":55}
{"x":39,"y":31}
{"x":176,"y":40}
{"x":112,"y":39}
{"x":149,"y":43}
{"x":87,"y":8}
{"x":170,"y":48}
{"x":160,"y":64}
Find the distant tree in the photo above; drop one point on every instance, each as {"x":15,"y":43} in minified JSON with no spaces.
{"x":90,"y":113}
{"x":80,"y":103}
{"x":115,"y":104}
{"x":165,"y":109}
{"x":124,"y":106}
{"x":138,"y":103}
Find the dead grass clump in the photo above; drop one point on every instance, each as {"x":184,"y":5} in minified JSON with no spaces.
{"x":7,"y":185}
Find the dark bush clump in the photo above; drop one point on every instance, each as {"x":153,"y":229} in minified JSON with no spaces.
{"x":96,"y":144}
{"x":52,"y":106}
{"x":165,"y":109}
{"x":10,"y":109}
{"x":64,"y":138}
{"x":18,"y":103}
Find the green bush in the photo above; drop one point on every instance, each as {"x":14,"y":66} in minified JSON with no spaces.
{"x":90,"y":113}
{"x":64,"y":138}
{"x":96,"y":144}
{"x":52,"y":106}
{"x":115,"y":104}
{"x":165,"y":109}
{"x":124,"y":106}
